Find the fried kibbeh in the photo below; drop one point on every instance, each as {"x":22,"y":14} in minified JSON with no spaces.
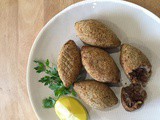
{"x":69,"y":63}
{"x":96,"y":94}
{"x":95,"y":33}
{"x":135,"y":64}
{"x":100,"y":65}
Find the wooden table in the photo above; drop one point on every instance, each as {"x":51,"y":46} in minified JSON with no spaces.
{"x":20,"y":22}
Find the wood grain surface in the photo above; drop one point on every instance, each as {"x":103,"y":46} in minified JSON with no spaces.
{"x":20,"y":22}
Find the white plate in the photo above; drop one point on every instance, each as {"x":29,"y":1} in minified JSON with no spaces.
{"x":132,"y":23}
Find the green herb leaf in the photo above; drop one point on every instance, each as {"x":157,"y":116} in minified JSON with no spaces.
{"x":46,"y":80}
{"x":74,"y":93}
{"x":40,"y":68}
{"x":59,"y":92}
{"x":53,"y":87}
{"x":47,"y":62}
{"x":49,"y":102}
{"x":55,"y":72}
{"x":53,"y":81}
{"x":49,"y":72}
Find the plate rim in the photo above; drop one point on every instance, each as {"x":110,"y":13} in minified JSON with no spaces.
{"x":28,"y":80}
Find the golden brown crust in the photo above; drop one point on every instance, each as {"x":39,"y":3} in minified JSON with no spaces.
{"x":95,"y":33}
{"x":95,"y":94}
{"x":69,"y":63}
{"x":100,"y":65}
{"x":132,"y":58}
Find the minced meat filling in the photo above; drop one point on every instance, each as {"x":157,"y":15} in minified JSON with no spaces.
{"x":134,"y":94}
{"x":139,"y":74}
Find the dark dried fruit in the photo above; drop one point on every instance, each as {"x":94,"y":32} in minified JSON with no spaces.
{"x":133,"y":97}
{"x":139,"y":74}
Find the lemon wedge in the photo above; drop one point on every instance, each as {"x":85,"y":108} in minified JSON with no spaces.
{"x":68,"y":108}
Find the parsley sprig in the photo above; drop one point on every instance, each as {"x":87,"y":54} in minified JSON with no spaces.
{"x":49,"y":102}
{"x":53,"y":81}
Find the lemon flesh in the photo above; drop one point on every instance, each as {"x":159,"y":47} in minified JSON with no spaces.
{"x":68,"y":108}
